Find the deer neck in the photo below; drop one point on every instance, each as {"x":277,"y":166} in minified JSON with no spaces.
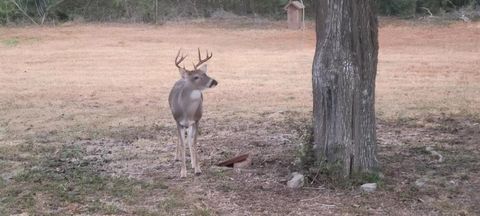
{"x":191,"y":93}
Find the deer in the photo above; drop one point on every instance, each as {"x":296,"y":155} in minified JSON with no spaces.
{"x":186,"y":100}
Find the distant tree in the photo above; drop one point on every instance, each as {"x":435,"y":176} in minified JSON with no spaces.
{"x":344,"y":70}
{"x":409,"y":8}
{"x":6,"y":11}
{"x":39,"y":9}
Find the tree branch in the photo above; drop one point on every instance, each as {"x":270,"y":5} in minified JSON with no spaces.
{"x":47,"y":10}
{"x":54,"y":5}
{"x":428,"y":11}
{"x":23,"y":11}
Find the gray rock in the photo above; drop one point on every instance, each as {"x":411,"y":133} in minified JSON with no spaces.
{"x":296,"y":181}
{"x":453,"y":183}
{"x":435,"y":153}
{"x":369,"y":187}
{"x":381,"y":175}
{"x":421,"y":182}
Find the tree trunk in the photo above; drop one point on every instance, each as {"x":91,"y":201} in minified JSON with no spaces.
{"x":344,"y":71}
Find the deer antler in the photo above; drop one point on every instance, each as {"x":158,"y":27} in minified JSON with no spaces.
{"x":178,"y":61}
{"x":200,"y":60}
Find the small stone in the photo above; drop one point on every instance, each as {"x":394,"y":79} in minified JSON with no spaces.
{"x":435,"y":153}
{"x":369,"y":187}
{"x":420,"y":182}
{"x":381,"y":175}
{"x":296,"y":181}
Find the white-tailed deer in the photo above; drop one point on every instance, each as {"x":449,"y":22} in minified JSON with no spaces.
{"x":186,"y":104}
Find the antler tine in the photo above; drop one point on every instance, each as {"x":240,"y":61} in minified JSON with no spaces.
{"x":200,"y":60}
{"x":177,"y":61}
{"x":199,"y":55}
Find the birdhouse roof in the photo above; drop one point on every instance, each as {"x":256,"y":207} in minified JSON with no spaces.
{"x":296,"y":4}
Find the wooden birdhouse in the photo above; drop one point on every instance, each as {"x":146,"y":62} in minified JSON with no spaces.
{"x":295,"y":14}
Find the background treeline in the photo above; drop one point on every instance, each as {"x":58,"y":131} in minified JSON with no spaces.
{"x":47,"y":11}
{"x":410,"y":8}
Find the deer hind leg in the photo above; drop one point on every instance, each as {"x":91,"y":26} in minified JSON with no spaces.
{"x":182,"y":146}
{"x":190,"y":134}
{"x":197,"y":163}
{"x":181,"y":137}
{"x":192,"y":139}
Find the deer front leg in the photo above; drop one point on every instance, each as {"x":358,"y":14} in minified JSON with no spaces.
{"x":190,"y":132}
{"x":191,"y":137}
{"x":183,"y":170}
{"x":197,"y":164}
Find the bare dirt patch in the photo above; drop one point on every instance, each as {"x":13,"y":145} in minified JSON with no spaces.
{"x":103,"y":89}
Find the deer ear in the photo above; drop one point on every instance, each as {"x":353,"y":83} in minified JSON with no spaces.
{"x":203,"y":68}
{"x":183,"y":72}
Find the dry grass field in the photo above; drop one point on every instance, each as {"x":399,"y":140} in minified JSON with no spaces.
{"x":85,"y":126}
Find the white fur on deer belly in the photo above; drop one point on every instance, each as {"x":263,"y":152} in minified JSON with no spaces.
{"x":196,"y":94}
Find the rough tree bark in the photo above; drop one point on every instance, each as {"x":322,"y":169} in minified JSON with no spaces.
{"x":344,"y":71}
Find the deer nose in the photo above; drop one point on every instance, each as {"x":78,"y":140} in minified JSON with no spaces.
{"x":214,"y":83}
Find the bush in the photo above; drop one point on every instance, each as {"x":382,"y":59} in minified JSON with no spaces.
{"x":409,"y":8}
{"x":40,"y":11}
{"x":7,"y":10}
{"x":405,"y":8}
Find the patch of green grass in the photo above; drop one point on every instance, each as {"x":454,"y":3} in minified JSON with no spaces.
{"x":420,"y":150}
{"x":15,"y":41}
{"x":199,"y":211}
{"x":175,"y":201}
{"x":98,"y":206}
{"x":67,"y":177}
{"x":11,"y":42}
{"x":3,"y":183}
{"x":129,"y":134}
{"x":321,"y":172}
{"x":410,"y":193}
{"x":357,"y":179}
{"x":170,"y":204}
{"x":145,"y":212}
{"x":121,"y":133}
{"x":224,"y":187}
{"x":220,"y":174}
{"x":304,"y":152}
{"x":3,"y":165}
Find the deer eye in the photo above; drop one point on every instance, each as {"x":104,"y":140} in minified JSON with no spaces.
{"x":196,"y":78}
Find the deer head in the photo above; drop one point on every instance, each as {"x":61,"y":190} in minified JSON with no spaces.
{"x":197,"y":78}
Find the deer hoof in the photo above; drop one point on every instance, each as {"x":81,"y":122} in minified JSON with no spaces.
{"x":177,"y":157}
{"x":198,"y":172}
{"x":183,"y":174}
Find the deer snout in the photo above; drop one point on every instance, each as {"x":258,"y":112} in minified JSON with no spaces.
{"x":213,"y":83}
